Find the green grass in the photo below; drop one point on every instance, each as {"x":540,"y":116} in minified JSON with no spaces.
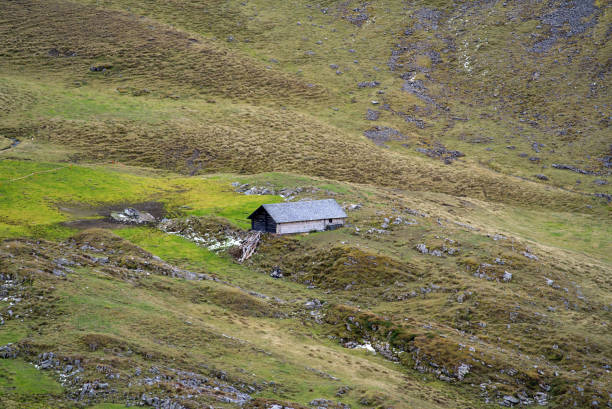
{"x":569,"y":231}
{"x":272,"y":32}
{"x":237,"y":131}
{"x":20,"y":378}
{"x":151,"y":317}
{"x":222,"y":109}
{"x":11,"y":332}
{"x":171,"y":248}
{"x":151,"y":314}
{"x":32,"y":195}
{"x":181,"y":251}
{"x":86,"y":102}
{"x":51,"y":185}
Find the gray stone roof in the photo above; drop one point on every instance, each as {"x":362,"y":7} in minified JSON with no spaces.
{"x":303,"y":211}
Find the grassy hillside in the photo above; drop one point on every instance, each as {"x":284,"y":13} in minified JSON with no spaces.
{"x":95,"y":288}
{"x":468,"y":141}
{"x":212,"y":103}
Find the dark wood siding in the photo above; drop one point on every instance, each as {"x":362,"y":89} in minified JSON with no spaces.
{"x":262,"y":221}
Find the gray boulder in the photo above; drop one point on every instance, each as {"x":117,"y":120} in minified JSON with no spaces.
{"x":422,"y":248}
{"x":372,"y":115}
{"x":8,"y":351}
{"x":132,"y":216}
{"x":276,"y":273}
{"x":511,"y":400}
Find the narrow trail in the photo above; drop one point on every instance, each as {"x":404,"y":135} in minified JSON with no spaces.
{"x":37,"y":173}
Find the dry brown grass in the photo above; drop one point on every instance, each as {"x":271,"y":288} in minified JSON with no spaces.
{"x":289,"y":142}
{"x":41,"y":36}
{"x":47,"y":48}
{"x":68,"y":38}
{"x":152,"y":320}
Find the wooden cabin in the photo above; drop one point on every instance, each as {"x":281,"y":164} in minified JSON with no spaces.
{"x":298,"y":217}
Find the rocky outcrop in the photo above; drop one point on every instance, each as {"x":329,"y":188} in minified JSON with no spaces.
{"x":132,"y":216}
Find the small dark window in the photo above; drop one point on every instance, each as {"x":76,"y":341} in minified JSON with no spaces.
{"x":330,"y":220}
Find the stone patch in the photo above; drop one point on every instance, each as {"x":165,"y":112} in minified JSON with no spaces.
{"x":372,"y":115}
{"x":132,"y":216}
{"x":439,"y":151}
{"x":382,"y":134}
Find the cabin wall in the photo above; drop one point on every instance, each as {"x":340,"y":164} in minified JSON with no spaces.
{"x":300,"y":227}
{"x":334,"y":222}
{"x":263,"y":222}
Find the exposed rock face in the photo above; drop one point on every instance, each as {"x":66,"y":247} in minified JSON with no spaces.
{"x":382,"y":134}
{"x":255,"y":190}
{"x":530,"y":255}
{"x":100,"y":67}
{"x":372,"y":115}
{"x":572,"y":168}
{"x":418,"y":89}
{"x":132,"y":216}
{"x":8,"y":351}
{"x":204,"y":232}
{"x":568,"y":19}
{"x":462,"y":371}
{"x":439,"y":151}
{"x":313,"y":304}
{"x":75,"y":376}
{"x":422,"y":248}
{"x":358,"y":15}
{"x":327,"y":404}
{"x":368,"y":84}
{"x":427,"y":19}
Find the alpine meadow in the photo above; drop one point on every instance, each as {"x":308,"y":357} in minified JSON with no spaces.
{"x":291,"y":204}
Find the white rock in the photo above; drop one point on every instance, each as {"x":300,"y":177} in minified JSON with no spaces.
{"x":463,"y":370}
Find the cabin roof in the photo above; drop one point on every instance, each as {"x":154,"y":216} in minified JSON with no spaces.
{"x":302,"y":211}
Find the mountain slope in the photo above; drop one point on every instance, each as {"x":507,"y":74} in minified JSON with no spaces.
{"x":468,"y":142}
